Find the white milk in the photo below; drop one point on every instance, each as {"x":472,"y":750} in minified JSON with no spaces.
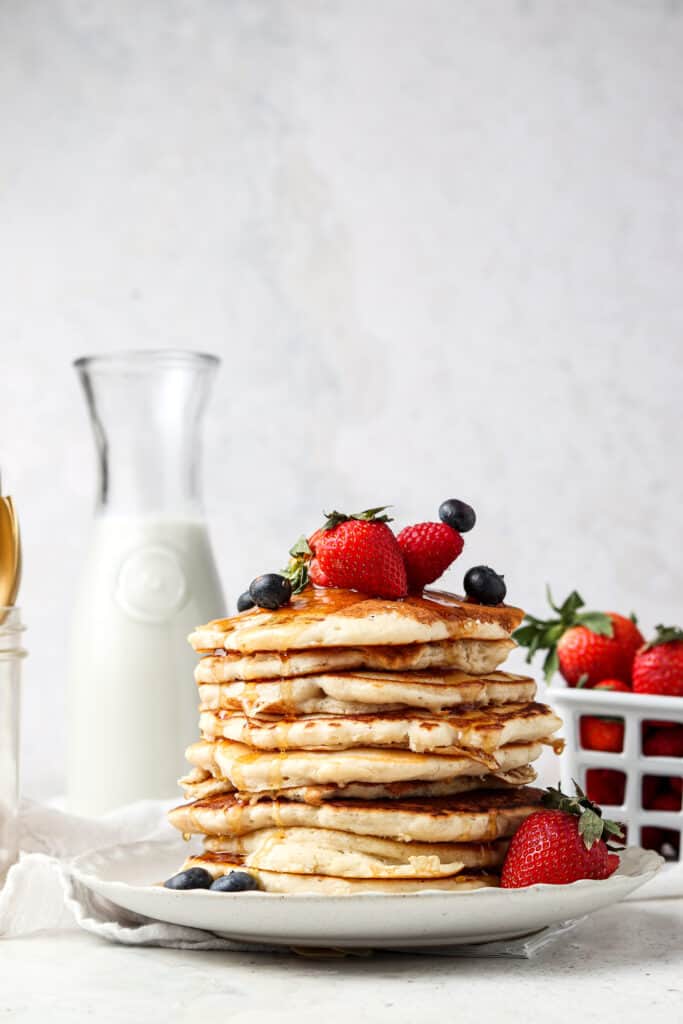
{"x":132,"y":698}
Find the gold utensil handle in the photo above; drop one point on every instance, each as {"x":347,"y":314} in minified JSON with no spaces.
{"x":10,"y":553}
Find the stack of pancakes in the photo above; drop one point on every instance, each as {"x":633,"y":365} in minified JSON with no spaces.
{"x":351,"y":744}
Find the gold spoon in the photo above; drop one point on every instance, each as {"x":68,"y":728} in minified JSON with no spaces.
{"x":10,"y":553}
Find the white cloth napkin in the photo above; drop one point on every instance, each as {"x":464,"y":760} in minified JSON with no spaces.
{"x":41,"y":894}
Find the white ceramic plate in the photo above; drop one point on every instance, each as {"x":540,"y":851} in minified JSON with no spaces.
{"x":129,"y":876}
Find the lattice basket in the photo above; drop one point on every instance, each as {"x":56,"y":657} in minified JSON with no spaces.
{"x":638,"y":773}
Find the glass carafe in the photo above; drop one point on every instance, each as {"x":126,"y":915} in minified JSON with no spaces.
{"x":149,"y":578}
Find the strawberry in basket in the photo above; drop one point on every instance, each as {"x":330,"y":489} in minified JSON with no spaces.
{"x":658,"y":666}
{"x":582,"y":645}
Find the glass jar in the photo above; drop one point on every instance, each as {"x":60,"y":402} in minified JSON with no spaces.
{"x":149,"y":578}
{"x":11,"y":655}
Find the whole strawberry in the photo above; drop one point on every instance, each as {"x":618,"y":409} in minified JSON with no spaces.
{"x":583,"y":645}
{"x":561,"y":844}
{"x":612,"y":684}
{"x":599,"y":733}
{"x":663,"y":741}
{"x":658,"y":667}
{"x":358,"y":552}
{"x":605,"y":786}
{"x":428,"y":549}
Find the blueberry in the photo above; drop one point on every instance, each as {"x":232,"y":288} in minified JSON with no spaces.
{"x":484,"y":585}
{"x":270,"y":591}
{"x":192,"y":878}
{"x":245,"y":601}
{"x":457,"y":514}
{"x":235,"y":881}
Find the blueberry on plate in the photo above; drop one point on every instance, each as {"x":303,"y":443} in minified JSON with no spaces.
{"x":235,"y":881}
{"x":245,"y":601}
{"x":457,"y":514}
{"x":270,"y":591}
{"x":485,"y":585}
{"x":192,"y":878}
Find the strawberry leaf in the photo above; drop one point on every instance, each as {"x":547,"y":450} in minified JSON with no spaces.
{"x":297,"y":567}
{"x":551,"y":664}
{"x":592,"y":826}
{"x":664,"y":635}
{"x":570,"y":606}
{"x":370,"y":515}
{"x":597,"y":622}
{"x":301,"y":547}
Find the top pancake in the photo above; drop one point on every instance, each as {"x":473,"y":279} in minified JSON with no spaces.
{"x":326,"y":617}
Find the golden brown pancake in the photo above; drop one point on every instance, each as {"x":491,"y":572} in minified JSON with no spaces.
{"x":478,"y":816}
{"x":454,"y":732}
{"x":363,"y":692}
{"x":218,"y":864}
{"x":473,"y":656}
{"x":199,"y":784}
{"x":325,"y":617}
{"x":254,"y":771}
{"x":324,"y":851}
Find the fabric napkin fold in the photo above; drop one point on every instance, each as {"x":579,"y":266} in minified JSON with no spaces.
{"x":41,"y":893}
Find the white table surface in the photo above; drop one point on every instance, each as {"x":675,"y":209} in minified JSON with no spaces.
{"x":622,"y":964}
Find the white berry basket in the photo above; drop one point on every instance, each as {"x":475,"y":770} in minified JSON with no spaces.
{"x":634,"y":709}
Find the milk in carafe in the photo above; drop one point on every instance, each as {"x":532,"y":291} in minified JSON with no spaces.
{"x":149,"y":578}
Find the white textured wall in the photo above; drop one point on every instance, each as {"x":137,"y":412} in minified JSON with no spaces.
{"x":437,"y":243}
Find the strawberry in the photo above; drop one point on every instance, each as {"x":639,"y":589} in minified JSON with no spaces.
{"x":666,"y":802}
{"x":651,"y":788}
{"x":605,"y":786}
{"x":594,"y":645}
{"x":561,"y":844}
{"x":428,"y":549}
{"x":612,"y":684}
{"x":651,"y":838}
{"x":658,"y":667}
{"x":665,"y":741}
{"x":599,"y":733}
{"x":358,"y":552}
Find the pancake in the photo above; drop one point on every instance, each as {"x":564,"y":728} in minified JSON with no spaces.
{"x":474,"y":656}
{"x":480,"y":729}
{"x":322,"y":617}
{"x":257,"y":847}
{"x":253,"y":771}
{"x":358,"y":692}
{"x":470,"y":817}
{"x":323,"y":851}
{"x":199,"y":784}
{"x":218,"y":864}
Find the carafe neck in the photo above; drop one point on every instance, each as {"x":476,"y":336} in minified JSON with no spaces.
{"x":146,"y":410}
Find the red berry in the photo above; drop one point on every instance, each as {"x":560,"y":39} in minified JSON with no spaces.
{"x":667,"y":802}
{"x":651,"y":838}
{"x":547,"y":848}
{"x":581,"y":652}
{"x":583,"y":645}
{"x":602,"y":733}
{"x":665,"y":741}
{"x":428,"y":549}
{"x":613,"y":684}
{"x":629,"y":639}
{"x":359,"y":554}
{"x":652,"y":785}
{"x":658,"y":667}
{"x":605,"y":786}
